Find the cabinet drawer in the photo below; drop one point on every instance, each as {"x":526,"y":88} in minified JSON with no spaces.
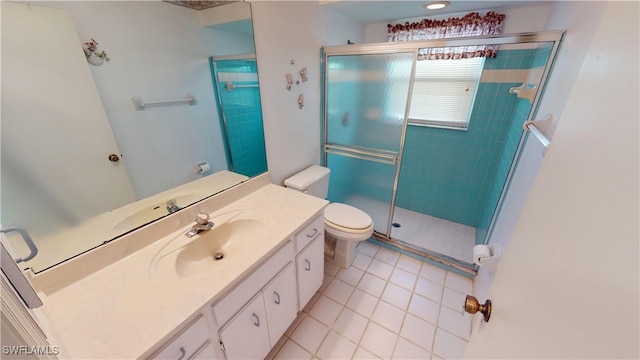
{"x":310,"y":232}
{"x":224,"y":309}
{"x":187,"y":342}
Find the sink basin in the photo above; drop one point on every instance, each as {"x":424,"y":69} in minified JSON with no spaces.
{"x":207,"y":251}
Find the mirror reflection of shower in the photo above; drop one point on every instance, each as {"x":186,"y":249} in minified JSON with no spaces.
{"x":237,"y":91}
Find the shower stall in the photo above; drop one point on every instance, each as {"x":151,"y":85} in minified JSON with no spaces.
{"x":426,"y":146}
{"x":235,"y":79}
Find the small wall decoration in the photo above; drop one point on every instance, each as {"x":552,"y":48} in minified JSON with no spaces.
{"x":94,"y":57}
{"x":289,"y":81}
{"x":303,"y":74}
{"x":303,"y":79}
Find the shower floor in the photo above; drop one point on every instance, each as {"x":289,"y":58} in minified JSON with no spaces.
{"x":421,"y":231}
{"x":431,"y":233}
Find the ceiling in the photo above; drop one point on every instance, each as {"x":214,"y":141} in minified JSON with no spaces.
{"x":372,"y":12}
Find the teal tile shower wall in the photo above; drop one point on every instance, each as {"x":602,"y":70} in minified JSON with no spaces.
{"x":458,"y":175}
{"x":537,"y":58}
{"x":447,"y":173}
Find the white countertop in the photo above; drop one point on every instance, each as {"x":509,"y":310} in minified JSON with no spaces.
{"x":124,"y":309}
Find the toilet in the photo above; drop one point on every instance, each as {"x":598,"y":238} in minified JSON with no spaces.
{"x":344,"y":225}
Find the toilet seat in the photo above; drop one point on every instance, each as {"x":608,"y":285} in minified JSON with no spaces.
{"x":347,"y":217}
{"x":347,"y":222}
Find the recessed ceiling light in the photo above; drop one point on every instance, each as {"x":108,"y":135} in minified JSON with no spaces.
{"x":437,"y":5}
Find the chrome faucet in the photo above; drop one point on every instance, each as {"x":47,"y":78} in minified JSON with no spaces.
{"x":172,"y":206}
{"x":202,"y":224}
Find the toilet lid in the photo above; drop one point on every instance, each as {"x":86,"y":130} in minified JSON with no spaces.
{"x":347,"y":216}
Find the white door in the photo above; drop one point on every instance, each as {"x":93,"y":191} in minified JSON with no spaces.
{"x":56,"y":138}
{"x":281,"y":302}
{"x":568,"y":283}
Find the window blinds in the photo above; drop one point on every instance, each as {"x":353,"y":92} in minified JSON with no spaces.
{"x":443,"y":91}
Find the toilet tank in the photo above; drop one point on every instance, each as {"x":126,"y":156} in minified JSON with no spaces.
{"x":313,"y":180}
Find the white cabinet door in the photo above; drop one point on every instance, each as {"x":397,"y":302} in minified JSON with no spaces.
{"x":310,"y":266}
{"x":246,"y":335}
{"x":207,"y":352}
{"x":281,"y":302}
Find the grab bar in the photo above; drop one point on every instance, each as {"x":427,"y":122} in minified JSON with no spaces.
{"x":141,"y":105}
{"x":384,"y":157}
{"x":27,"y":239}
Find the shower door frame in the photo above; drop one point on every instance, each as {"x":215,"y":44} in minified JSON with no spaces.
{"x":554,"y":36}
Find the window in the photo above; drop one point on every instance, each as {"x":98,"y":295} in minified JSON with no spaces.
{"x":443,"y":92}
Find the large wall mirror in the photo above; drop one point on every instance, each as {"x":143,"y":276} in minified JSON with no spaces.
{"x":81,"y":165}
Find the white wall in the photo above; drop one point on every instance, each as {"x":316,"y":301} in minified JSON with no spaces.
{"x":286,"y":31}
{"x":579,"y":19}
{"x":158,"y":51}
{"x":568,"y":285}
{"x":338,"y":29}
{"x":230,"y":43}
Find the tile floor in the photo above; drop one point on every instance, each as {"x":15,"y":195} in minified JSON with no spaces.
{"x":386,"y":306}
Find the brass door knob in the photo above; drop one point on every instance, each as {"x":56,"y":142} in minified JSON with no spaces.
{"x":472,"y":306}
{"x":113,"y":158}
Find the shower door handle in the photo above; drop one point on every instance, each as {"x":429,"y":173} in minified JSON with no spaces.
{"x":380,"y":156}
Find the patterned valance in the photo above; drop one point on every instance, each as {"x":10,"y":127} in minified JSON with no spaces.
{"x":471,"y":24}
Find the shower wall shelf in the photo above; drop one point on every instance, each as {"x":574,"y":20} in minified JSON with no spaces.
{"x":525,"y":91}
{"x":141,"y":105}
{"x":231,"y":86}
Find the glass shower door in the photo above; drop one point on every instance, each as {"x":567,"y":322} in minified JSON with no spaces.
{"x":365,"y":103}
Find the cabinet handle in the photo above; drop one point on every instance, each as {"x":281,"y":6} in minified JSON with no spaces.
{"x":307,"y":265}
{"x":257,"y":322}
{"x":277,"y":301}
{"x":315,"y":231}
{"x":183,"y":353}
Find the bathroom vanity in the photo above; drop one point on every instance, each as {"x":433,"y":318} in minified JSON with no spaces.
{"x":173,"y":300}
